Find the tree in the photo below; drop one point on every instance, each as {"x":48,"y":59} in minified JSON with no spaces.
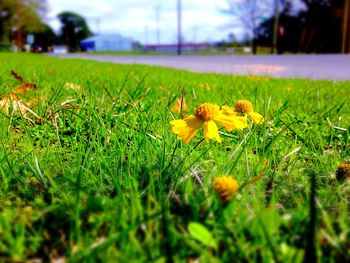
{"x":45,"y":38}
{"x":286,"y":33}
{"x":321,"y":26}
{"x":248,"y":14}
{"x":73,"y":29}
{"x":315,"y":29}
{"x":18,"y":17}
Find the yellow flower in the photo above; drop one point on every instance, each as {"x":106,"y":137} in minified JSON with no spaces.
{"x":243,"y":107}
{"x":226,"y":187}
{"x":205,"y":86}
{"x":179,"y":105}
{"x":289,"y":88}
{"x":208,"y":115}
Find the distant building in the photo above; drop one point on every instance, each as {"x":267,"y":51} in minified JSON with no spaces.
{"x":174,"y":47}
{"x":106,"y":43}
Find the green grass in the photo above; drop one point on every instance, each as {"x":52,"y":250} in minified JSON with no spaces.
{"x":102,"y":178}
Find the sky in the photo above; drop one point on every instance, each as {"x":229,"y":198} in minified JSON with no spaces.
{"x":202,"y":20}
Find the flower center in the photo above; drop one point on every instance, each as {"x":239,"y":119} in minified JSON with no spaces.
{"x":226,"y":187}
{"x":243,"y":106}
{"x":207,"y":111}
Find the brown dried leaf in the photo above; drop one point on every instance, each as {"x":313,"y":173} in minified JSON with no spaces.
{"x":14,"y":97}
{"x":16,"y":76}
{"x":24,"y":87}
{"x":4,"y":104}
{"x":13,"y":101}
{"x":180,"y":106}
{"x":34,"y":101}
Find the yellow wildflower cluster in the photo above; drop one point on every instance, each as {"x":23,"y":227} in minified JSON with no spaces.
{"x":226,"y":187}
{"x":208,"y":115}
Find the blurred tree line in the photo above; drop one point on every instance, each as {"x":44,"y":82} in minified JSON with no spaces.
{"x":320,"y":27}
{"x":20,"y":18}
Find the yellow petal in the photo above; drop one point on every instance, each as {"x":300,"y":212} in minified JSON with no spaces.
{"x":228,"y":111}
{"x":211,"y":131}
{"x":257,"y":118}
{"x":187,"y":128}
{"x":232,"y":122}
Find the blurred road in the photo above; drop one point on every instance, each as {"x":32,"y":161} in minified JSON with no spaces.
{"x":332,"y":67}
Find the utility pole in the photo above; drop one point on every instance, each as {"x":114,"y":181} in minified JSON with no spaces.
{"x":157,"y":20}
{"x":275,"y":27}
{"x":179,"y":27}
{"x":345,"y":25}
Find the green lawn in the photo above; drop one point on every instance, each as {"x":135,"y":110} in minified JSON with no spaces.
{"x":93,"y":172}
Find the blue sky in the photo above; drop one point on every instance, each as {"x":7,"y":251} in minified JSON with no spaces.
{"x":202,"y":19}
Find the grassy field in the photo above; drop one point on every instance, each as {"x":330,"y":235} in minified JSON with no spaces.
{"x":91,"y":170}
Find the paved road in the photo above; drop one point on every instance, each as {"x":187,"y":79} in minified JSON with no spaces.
{"x":333,"y":67}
